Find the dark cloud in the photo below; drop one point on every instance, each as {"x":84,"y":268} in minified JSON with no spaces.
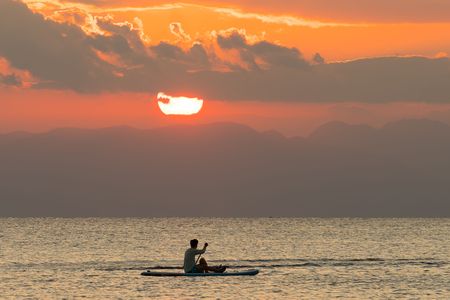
{"x":234,"y":40}
{"x":116,"y":44}
{"x":55,"y":53}
{"x":174,"y":59}
{"x":278,"y":56}
{"x":168,"y":51}
{"x":63,"y":56}
{"x":376,"y":80}
{"x":198,"y":55}
{"x":10,"y":80}
{"x":125,"y":30}
{"x":271,"y":54}
{"x":318,"y":59}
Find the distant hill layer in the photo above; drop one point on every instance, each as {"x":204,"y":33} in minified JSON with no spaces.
{"x":228,"y":169}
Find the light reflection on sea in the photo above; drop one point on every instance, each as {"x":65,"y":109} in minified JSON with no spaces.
{"x":297,"y":258}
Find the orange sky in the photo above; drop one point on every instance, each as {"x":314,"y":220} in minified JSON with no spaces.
{"x":334,"y":39}
{"x":39,"y":111}
{"x":338,"y":36}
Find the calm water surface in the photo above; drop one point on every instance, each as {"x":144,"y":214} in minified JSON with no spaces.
{"x":297,"y":258}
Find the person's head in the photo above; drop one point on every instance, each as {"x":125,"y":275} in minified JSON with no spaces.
{"x":194,"y":243}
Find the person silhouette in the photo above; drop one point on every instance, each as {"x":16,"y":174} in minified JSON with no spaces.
{"x":190,"y":265}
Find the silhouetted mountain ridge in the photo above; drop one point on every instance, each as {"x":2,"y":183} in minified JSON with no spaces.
{"x":227,"y":169}
{"x":415,"y":142}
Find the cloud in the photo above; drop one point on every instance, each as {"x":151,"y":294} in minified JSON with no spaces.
{"x":53,"y":52}
{"x":173,"y":56}
{"x":133,"y":33}
{"x":276,"y":19}
{"x":270,"y":55}
{"x":63,"y":56}
{"x":318,"y":59}
{"x":10,"y":80}
{"x":233,"y":39}
{"x":353,"y":11}
{"x":177,"y":30}
{"x":299,"y":12}
{"x":374,"y":80}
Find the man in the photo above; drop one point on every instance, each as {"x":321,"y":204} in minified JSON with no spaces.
{"x":189,"y":260}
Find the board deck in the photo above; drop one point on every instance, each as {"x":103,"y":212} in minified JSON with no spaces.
{"x":172,"y":274}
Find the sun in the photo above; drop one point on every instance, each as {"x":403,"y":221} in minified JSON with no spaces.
{"x":179,"y":105}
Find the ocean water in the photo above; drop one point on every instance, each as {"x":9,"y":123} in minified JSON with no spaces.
{"x":50,"y":258}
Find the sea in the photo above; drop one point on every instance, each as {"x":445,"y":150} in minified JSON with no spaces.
{"x":298,"y":258}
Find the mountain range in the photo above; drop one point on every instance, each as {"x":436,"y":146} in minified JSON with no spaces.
{"x":227,"y":169}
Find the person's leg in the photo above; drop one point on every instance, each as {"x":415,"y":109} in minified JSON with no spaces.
{"x":203,"y":266}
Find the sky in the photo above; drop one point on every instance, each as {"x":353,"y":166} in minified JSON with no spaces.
{"x":289,"y":66}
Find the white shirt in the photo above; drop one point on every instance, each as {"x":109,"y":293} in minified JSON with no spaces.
{"x":189,"y":258}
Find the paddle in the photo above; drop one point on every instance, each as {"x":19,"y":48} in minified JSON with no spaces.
{"x":206,"y":245}
{"x":198,"y":259}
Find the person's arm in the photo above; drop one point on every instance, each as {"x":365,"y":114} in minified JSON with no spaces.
{"x":202,"y":250}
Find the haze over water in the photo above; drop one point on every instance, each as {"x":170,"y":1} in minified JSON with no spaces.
{"x":297,"y":258}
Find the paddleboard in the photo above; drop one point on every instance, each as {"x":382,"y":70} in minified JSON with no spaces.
{"x":242,"y":273}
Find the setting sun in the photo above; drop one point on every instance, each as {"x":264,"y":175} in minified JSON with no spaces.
{"x":179,"y":105}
